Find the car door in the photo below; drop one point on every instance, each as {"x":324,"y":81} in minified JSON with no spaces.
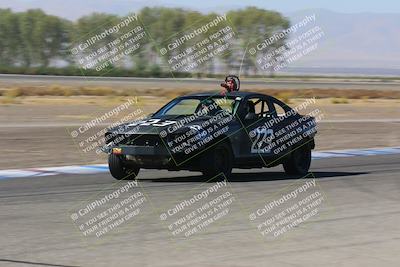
{"x":258,"y":135}
{"x":281,"y":118}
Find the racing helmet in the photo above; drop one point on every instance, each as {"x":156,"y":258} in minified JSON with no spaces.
{"x":232,"y":83}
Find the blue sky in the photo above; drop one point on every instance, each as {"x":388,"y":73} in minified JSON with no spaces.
{"x":346,"y":6}
{"x":73,"y":9}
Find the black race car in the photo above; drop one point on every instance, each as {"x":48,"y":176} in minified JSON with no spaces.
{"x":213,"y":133}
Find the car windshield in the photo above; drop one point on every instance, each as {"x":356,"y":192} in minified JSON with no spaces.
{"x":207,"y":106}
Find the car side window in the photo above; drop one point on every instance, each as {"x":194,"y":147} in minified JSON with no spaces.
{"x":278,"y":108}
{"x":255,"y":105}
{"x":260,"y":107}
{"x":267,"y":112}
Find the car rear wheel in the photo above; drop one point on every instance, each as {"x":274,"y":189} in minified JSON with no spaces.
{"x":119,"y":171}
{"x":218,"y":162}
{"x":299,"y":161}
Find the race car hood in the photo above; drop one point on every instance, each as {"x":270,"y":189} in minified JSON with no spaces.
{"x":155,"y":125}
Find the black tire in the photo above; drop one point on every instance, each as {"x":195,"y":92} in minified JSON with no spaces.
{"x":119,"y":171}
{"x":299,"y":161}
{"x":218,"y":161}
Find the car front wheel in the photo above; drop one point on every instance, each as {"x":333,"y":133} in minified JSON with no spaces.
{"x":218,"y":162}
{"x":119,"y":171}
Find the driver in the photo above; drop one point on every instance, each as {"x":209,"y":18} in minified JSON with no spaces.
{"x":204,"y":109}
{"x":230,"y":85}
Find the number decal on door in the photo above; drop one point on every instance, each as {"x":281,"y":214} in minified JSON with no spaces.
{"x":262,"y":140}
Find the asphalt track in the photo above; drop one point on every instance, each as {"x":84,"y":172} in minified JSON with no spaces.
{"x":358,"y":224}
{"x":154,"y":83}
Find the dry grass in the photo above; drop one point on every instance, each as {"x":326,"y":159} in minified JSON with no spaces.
{"x":10,"y":96}
{"x":59,"y":90}
{"x":341,"y":100}
{"x":7,"y":100}
{"x":285,"y":96}
{"x":13,"y":92}
{"x":337,"y":95}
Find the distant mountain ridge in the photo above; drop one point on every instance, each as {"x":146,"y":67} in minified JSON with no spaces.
{"x":363,"y":40}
